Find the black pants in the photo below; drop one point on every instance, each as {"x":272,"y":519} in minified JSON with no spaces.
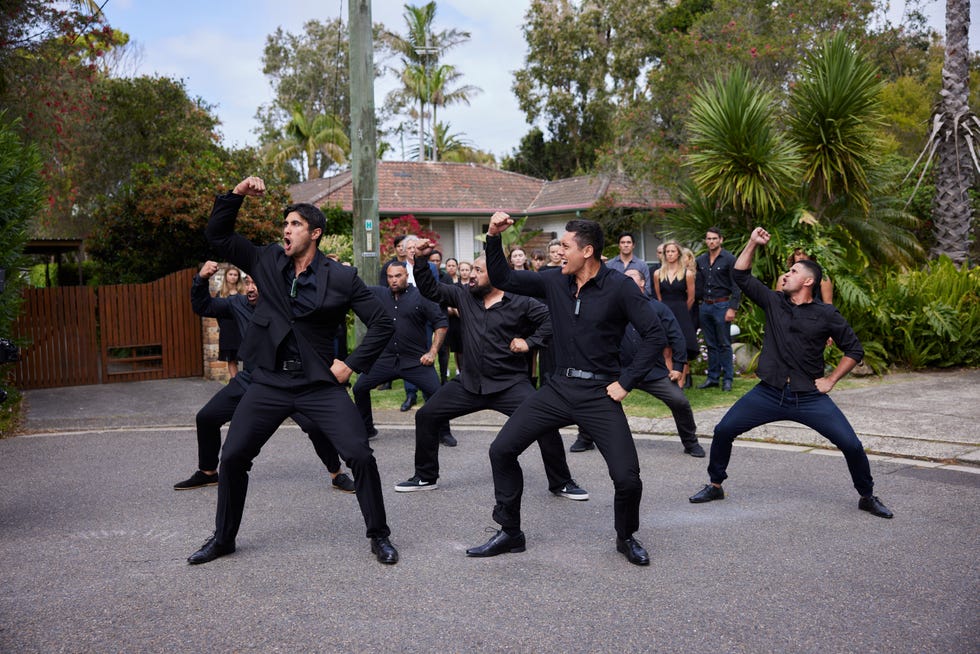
{"x":561,"y":403}
{"x":261,"y":411}
{"x":386,"y":370}
{"x":219,"y":410}
{"x":453,"y":401}
{"x":680,"y":407}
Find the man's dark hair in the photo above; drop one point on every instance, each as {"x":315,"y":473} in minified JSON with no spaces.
{"x":622,"y":234}
{"x":436,"y":252}
{"x":587,"y":232}
{"x":817,"y":273}
{"x":714,"y":230}
{"x":396,"y":262}
{"x":311,"y":214}
{"x":399,"y":239}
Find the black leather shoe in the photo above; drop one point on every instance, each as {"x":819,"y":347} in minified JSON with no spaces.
{"x":726,"y":386}
{"x":448,"y":440}
{"x":499,"y":544}
{"x":707,"y":494}
{"x":708,"y":384}
{"x":409,"y":403}
{"x":581,"y":444}
{"x":873,"y":505}
{"x":384,"y":550}
{"x":211,"y":550}
{"x":695,"y":450}
{"x":633,"y":550}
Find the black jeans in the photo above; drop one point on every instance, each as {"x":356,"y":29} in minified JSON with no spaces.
{"x":453,"y":401}
{"x":386,"y":370}
{"x":561,"y":403}
{"x":765,"y":404}
{"x":261,"y":411}
{"x":680,"y":407}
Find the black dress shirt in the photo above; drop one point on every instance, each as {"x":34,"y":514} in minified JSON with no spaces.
{"x":588,"y":324}
{"x":487,"y":332}
{"x":412,"y":313}
{"x":795,"y":336}
{"x":716,"y":279}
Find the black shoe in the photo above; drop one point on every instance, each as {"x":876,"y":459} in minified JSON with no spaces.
{"x":500,"y":543}
{"x":695,"y":450}
{"x":197,"y":480}
{"x":726,"y":385}
{"x":633,"y":550}
{"x":384,"y":387}
{"x":409,"y":402}
{"x":448,"y":440}
{"x":873,"y":505}
{"x":211,"y":550}
{"x":384,"y":550}
{"x":372,"y":433}
{"x":416,"y":483}
{"x":689,"y":382}
{"x":707,"y":494}
{"x":572,"y":491}
{"x":581,"y":444}
{"x":708,"y":384}
{"x":343,"y":482}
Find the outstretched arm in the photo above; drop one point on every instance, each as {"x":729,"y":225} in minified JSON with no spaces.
{"x":758,"y":237}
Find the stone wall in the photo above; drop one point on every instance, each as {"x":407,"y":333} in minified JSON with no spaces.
{"x":213,"y":369}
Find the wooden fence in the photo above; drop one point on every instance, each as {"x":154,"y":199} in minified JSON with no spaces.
{"x":126,"y":332}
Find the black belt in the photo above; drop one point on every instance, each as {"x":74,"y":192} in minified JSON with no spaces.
{"x":717,"y":300}
{"x":291,"y":365}
{"x":585,"y":374}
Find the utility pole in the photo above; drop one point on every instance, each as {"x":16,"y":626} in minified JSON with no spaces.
{"x":364,"y":158}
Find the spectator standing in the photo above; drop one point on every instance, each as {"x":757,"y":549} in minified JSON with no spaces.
{"x":718,"y":306}
{"x":673,"y":285}
{"x":229,"y":336}
{"x":625,"y":260}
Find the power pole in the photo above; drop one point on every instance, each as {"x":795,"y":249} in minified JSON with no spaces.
{"x":364,"y":165}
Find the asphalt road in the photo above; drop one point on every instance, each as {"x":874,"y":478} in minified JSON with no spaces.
{"x":93,"y":543}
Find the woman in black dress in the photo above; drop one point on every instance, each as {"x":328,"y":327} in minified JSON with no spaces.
{"x":229,"y":338}
{"x":673,"y":285}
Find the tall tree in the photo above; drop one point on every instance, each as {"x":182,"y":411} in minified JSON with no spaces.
{"x":956,"y":133}
{"x":319,"y":140}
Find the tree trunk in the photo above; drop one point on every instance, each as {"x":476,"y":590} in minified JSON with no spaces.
{"x":952,"y":209}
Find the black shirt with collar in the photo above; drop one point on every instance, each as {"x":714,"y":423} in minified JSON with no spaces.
{"x":588,"y":324}
{"x":487,"y":332}
{"x":412,"y":313}
{"x":795,"y":336}
{"x":716,"y":280}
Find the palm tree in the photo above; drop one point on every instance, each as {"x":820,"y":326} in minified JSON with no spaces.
{"x":317,"y":140}
{"x":440,"y":78}
{"x":955,"y":134}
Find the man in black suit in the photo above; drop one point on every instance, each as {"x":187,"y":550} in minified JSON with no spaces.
{"x":290,"y":347}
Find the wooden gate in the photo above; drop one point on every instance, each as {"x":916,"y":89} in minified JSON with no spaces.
{"x":125,"y":332}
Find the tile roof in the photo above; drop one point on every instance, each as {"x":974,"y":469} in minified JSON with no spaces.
{"x":434,"y":188}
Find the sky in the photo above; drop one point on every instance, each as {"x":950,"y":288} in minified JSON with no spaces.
{"x":215,"y":47}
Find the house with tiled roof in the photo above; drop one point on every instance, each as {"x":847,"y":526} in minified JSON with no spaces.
{"x":456,"y":200}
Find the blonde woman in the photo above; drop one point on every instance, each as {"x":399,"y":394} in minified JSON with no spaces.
{"x":229,"y":338}
{"x":673,"y":285}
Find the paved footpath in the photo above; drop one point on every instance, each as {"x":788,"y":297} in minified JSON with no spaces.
{"x":93,"y":540}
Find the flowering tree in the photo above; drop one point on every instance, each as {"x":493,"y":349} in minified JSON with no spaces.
{"x":392,"y":227}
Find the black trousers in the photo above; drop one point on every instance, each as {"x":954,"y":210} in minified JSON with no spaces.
{"x":680,"y":407}
{"x":219,"y":410}
{"x":560,"y":403}
{"x":453,"y":401}
{"x":259,"y":414}
{"x":425,"y":377}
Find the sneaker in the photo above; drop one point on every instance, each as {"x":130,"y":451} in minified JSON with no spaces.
{"x":572,"y":491}
{"x":415,"y":484}
{"x":343,"y":482}
{"x":449,"y":440}
{"x":197,"y":480}
{"x":581,"y":444}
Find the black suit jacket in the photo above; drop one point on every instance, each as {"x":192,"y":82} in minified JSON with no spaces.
{"x":339,"y":289}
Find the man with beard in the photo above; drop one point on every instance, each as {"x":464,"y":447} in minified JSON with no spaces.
{"x":290,"y":349}
{"x":220,"y":408}
{"x":408,"y":355}
{"x":498,"y":329}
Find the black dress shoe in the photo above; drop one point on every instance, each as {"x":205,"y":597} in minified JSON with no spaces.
{"x":384,"y":550}
{"x":211,"y":550}
{"x":633,"y":550}
{"x":581,"y":444}
{"x":726,"y":385}
{"x":695,"y":450}
{"x":873,"y":505}
{"x":499,"y":544}
{"x":409,"y":403}
{"x":707,"y":494}
{"x":449,"y":440}
{"x":708,"y":384}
